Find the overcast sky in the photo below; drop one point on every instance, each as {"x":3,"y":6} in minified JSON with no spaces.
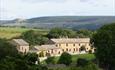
{"x":10,"y":9}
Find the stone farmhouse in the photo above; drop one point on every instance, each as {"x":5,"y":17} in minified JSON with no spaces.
{"x":56,"y":47}
{"x":21,"y":45}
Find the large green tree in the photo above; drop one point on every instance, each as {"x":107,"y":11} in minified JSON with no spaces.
{"x":32,"y":58}
{"x":7,"y":49}
{"x":33,"y":37}
{"x":65,"y":58}
{"x":60,"y":32}
{"x":50,"y":60}
{"x":84,"y":33}
{"x":21,"y":62}
{"x":104,"y":41}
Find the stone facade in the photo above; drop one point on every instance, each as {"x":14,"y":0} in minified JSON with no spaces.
{"x":55,"y":47}
{"x":21,"y":45}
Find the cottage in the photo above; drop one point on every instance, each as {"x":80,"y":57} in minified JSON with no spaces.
{"x":21,"y":45}
{"x":48,"y":50}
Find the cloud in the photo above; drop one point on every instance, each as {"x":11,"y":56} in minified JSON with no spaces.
{"x":36,"y":8}
{"x":38,"y":1}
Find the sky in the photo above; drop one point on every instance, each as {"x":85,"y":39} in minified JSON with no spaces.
{"x":11,"y":9}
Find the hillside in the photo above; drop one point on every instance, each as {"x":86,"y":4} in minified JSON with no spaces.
{"x":75,"y":22}
{"x":8,"y":32}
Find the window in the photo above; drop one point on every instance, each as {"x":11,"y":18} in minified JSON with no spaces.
{"x":56,"y":45}
{"x":74,"y":49}
{"x":66,"y":49}
{"x":63,"y":50}
{"x":66,"y":44}
{"x":69,"y":49}
{"x":52,"y":51}
{"x":89,"y":44}
{"x":73,"y":44}
{"x":48,"y":51}
{"x":59,"y":52}
{"x":79,"y":44}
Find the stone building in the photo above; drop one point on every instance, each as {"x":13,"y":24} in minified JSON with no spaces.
{"x":21,"y":45}
{"x":55,"y":47}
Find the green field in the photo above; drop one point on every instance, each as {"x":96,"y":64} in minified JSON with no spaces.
{"x":85,"y":56}
{"x":10,"y":32}
{"x":75,"y":57}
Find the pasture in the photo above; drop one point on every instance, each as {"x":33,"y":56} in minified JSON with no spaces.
{"x":12,"y":32}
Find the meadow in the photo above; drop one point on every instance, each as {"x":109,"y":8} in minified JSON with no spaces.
{"x":76,"y":57}
{"x":12,"y":32}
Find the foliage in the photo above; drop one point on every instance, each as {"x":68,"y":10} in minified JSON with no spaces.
{"x":7,"y":49}
{"x":65,"y":58}
{"x":32,"y":58}
{"x":41,"y":54}
{"x":83,"y":33}
{"x":82,"y":62}
{"x":60,"y":32}
{"x":33,"y":37}
{"x":21,"y":63}
{"x":104,"y":41}
{"x":50,"y":60}
{"x":89,"y":66}
{"x":82,"y":48}
{"x":16,"y":32}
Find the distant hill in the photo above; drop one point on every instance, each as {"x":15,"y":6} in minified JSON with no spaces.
{"x":74,"y":22}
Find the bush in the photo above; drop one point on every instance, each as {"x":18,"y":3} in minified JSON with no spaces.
{"x":50,"y":60}
{"x":82,"y":62}
{"x":7,"y":49}
{"x":91,"y":66}
{"x":65,"y":58}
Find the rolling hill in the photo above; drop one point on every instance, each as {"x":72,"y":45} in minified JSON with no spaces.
{"x":74,"y":22}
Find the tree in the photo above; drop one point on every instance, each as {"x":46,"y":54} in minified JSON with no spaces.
{"x":60,"y":32}
{"x":82,"y":62}
{"x":41,"y":54}
{"x":7,"y":49}
{"x":82,"y":48}
{"x":104,"y":41}
{"x":31,"y":58}
{"x":91,"y":66}
{"x":33,"y":37}
{"x":50,"y":60}
{"x":84,"y":33}
{"x":65,"y":58}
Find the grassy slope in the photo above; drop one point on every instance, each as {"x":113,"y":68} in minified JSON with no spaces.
{"x":75,"y":57}
{"x":8,"y":32}
{"x":85,"y":56}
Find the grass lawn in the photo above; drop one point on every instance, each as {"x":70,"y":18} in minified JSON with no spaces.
{"x":10,"y":32}
{"x":85,"y":56}
{"x":75,"y":57}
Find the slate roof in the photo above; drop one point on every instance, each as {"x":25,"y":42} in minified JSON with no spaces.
{"x":46,"y":47}
{"x":71,"y":40}
{"x":20,"y":42}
